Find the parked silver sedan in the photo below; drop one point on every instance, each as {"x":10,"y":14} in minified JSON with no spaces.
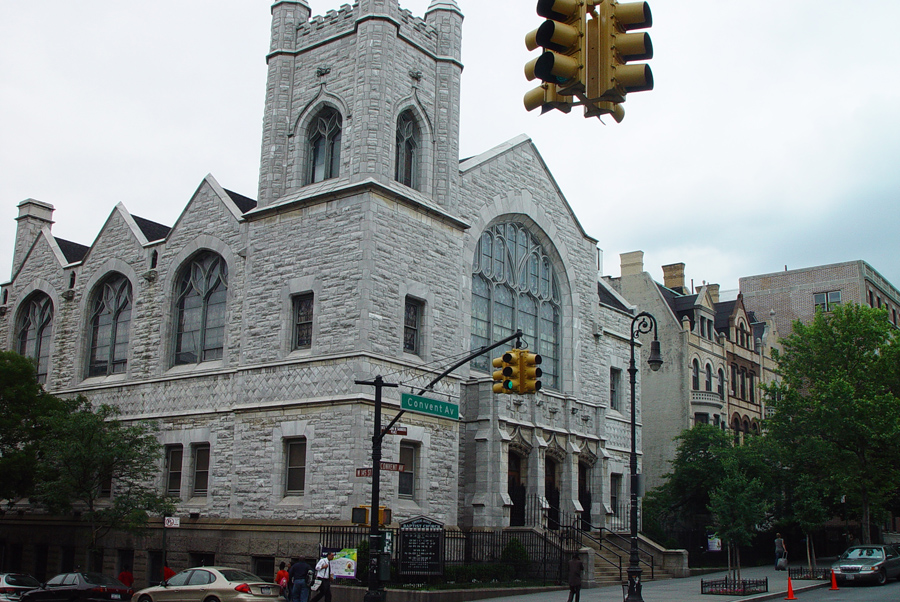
{"x":876,"y":563}
{"x":211,"y":584}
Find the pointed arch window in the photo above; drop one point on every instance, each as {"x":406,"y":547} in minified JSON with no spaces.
{"x":33,"y":332}
{"x":110,"y":322}
{"x":324,"y":146}
{"x":514,"y":285}
{"x":406,"y":164}
{"x":200,"y":309}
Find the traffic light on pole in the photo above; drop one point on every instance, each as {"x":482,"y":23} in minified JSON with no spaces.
{"x":610,"y":48}
{"x":547,"y":97}
{"x":506,"y":378}
{"x":562,"y":38}
{"x":529,"y":372}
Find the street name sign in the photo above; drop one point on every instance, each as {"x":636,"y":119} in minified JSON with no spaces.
{"x":392,"y":466}
{"x":396,"y":430}
{"x":432,"y":407}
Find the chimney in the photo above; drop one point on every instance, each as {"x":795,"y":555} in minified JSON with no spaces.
{"x":632,"y":263}
{"x":714,"y":292}
{"x":33,"y":216}
{"x":673,"y":277}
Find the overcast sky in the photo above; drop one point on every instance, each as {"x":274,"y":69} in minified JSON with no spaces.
{"x":772,"y":137}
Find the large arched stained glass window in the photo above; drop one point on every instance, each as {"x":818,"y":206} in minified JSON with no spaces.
{"x":110,"y":321}
{"x":200,"y":307}
{"x":514,"y":286}
{"x":33,"y":332}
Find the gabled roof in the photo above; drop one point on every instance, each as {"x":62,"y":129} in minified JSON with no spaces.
{"x":152,"y":230}
{"x":72,"y":251}
{"x":610,"y":298}
{"x":243,"y":203}
{"x":724,"y":311}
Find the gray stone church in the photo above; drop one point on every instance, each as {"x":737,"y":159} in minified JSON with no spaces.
{"x":371,"y":249}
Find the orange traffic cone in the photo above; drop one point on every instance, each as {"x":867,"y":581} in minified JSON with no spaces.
{"x":790,"y":595}
{"x":833,"y":582}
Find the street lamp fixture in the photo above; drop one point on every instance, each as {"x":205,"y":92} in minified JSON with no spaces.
{"x":642,"y":323}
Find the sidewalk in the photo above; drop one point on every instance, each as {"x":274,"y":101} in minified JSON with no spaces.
{"x":681,"y":590}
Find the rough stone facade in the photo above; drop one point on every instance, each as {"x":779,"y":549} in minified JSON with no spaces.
{"x":361,"y":244}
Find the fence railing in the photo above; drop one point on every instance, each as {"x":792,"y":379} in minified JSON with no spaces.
{"x":734,"y":587}
{"x":547,"y":553}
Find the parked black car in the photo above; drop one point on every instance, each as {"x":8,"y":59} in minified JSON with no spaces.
{"x":13,"y":585}
{"x":80,"y":587}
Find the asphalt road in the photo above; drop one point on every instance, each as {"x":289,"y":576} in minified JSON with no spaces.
{"x":853,"y":593}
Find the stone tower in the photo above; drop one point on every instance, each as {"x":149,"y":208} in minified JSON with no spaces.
{"x":369,"y":64}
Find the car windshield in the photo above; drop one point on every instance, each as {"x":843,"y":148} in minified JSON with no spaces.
{"x":237,"y":575}
{"x":855,"y":553}
{"x":99,"y":579}
{"x":22,"y":581}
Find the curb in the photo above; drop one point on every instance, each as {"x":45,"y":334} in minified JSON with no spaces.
{"x":778,"y":595}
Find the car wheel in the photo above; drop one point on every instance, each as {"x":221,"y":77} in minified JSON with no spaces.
{"x":145,"y":598}
{"x":881,"y":577}
{"x":211,"y":599}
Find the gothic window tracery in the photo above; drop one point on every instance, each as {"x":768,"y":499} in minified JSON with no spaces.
{"x":324,"y":146}
{"x":33,"y":332}
{"x":514,"y":285}
{"x":406,"y":160}
{"x":110,"y":321}
{"x":200,"y":307}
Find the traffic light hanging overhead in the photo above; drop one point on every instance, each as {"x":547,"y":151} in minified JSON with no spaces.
{"x":611,"y":48}
{"x":561,"y":36}
{"x":506,"y":377}
{"x":547,"y":97}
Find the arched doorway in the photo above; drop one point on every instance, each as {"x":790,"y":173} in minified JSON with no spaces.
{"x":584,"y":495}
{"x":516,"y":489}
{"x":551,"y":491}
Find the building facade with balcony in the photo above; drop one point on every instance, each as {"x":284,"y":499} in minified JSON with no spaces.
{"x":716,"y":356}
{"x":242,"y":328}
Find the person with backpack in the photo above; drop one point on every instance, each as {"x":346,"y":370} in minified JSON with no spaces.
{"x":300,"y":577}
{"x":281,"y":578}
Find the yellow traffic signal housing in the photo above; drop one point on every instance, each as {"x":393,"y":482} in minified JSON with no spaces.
{"x":563,"y":40}
{"x":547,"y":97}
{"x":530,"y":372}
{"x":610,"y":48}
{"x":506,"y":379}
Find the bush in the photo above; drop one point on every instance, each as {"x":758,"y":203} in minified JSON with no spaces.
{"x":515,"y":556}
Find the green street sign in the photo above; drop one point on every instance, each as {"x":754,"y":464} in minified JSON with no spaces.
{"x":432,"y":407}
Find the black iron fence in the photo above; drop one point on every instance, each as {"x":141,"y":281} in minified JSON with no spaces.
{"x":466,"y":554}
{"x":804,"y":572}
{"x":734,"y":587}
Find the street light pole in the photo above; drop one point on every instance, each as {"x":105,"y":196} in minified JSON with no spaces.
{"x":642,"y":323}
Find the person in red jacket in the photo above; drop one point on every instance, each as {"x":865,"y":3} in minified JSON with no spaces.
{"x":126,"y":577}
{"x":167,"y":573}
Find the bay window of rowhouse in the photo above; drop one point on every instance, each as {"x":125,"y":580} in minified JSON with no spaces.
{"x":514,"y":285}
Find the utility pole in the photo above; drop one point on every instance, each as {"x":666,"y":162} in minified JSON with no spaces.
{"x":376,"y":592}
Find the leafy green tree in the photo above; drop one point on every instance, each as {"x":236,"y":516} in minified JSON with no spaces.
{"x":91,"y":450}
{"x":738,"y":503}
{"x":838,"y":406}
{"x":682,"y":502}
{"x":25,"y":409}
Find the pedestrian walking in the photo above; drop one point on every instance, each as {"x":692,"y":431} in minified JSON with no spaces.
{"x":780,"y":552}
{"x":576,"y":568}
{"x":324,"y":577}
{"x":298,"y":583}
